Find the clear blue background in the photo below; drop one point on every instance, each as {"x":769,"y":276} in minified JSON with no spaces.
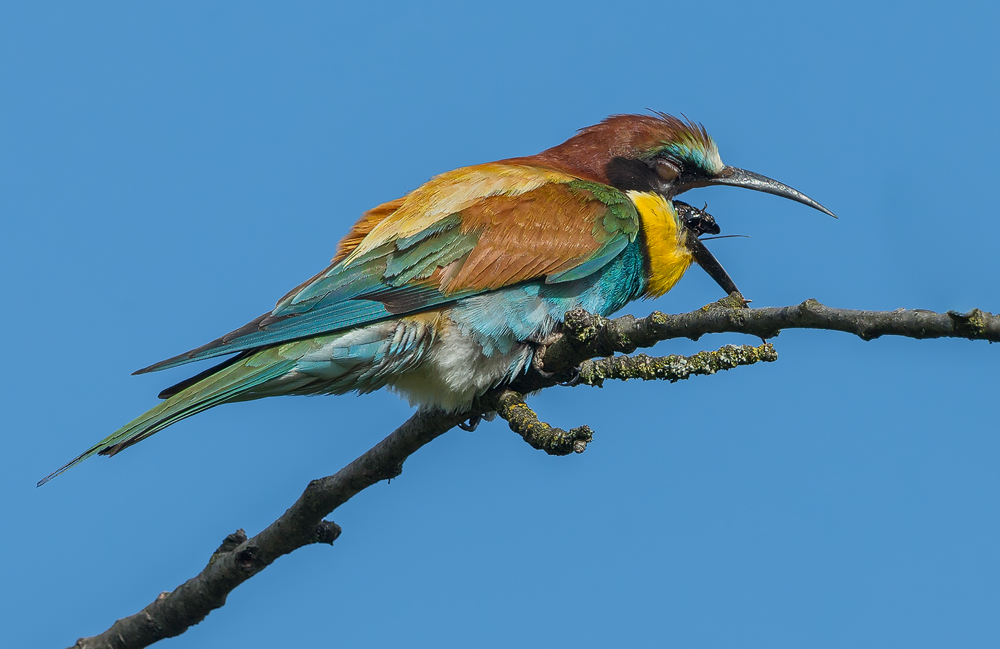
{"x":168,"y":170}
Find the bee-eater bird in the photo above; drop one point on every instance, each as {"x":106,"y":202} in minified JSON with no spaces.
{"x":444,"y":293}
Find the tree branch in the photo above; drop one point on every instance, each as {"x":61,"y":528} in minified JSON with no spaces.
{"x":584,"y":337}
{"x":675,"y":367}
{"x":239,"y":558}
{"x":593,"y":336}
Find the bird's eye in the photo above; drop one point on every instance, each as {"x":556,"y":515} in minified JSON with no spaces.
{"x":667,"y":171}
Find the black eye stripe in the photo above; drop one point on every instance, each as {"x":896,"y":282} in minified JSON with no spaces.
{"x":629,"y":174}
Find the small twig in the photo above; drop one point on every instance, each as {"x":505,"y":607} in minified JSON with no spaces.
{"x":673,"y":368}
{"x":523,"y":421}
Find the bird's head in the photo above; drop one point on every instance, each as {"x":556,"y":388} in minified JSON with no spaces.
{"x":664,"y":155}
{"x":658,"y":153}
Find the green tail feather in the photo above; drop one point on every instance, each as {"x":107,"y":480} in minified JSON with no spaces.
{"x":226,"y":385}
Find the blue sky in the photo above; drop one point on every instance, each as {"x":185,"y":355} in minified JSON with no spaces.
{"x":168,"y":171}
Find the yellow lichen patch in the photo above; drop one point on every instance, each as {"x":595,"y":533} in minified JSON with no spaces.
{"x":453,"y":192}
{"x":669,"y":258}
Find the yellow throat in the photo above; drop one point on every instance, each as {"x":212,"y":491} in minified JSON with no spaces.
{"x":669,"y":258}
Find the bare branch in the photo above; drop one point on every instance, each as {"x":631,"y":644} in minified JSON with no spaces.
{"x":585,"y":336}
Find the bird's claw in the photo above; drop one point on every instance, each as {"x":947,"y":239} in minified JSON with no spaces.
{"x":470,"y":424}
{"x":574,"y":378}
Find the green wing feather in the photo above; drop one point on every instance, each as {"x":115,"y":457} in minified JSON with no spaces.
{"x":558,"y":232}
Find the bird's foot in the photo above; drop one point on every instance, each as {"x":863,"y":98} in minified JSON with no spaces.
{"x":574,"y":375}
{"x":471,"y":424}
{"x":574,"y":379}
{"x":538,"y":360}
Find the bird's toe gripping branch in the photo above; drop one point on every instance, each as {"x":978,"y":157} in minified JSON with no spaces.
{"x":523,"y":421}
{"x":567,"y":378}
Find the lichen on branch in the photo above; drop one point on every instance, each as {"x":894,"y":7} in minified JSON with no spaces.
{"x":523,"y":421}
{"x":674,"y":368}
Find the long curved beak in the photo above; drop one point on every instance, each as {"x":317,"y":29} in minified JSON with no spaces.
{"x":707,"y":261}
{"x":742,"y":178}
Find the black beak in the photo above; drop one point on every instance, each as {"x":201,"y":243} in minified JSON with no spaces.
{"x":742,"y":178}
{"x":707,"y":260}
